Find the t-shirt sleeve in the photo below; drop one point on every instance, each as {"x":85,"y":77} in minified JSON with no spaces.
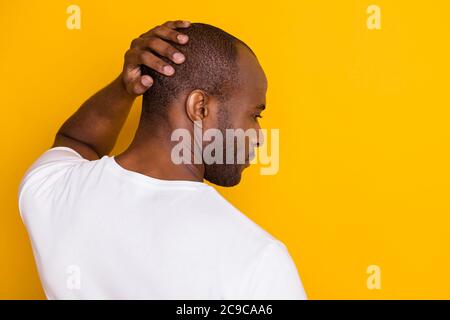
{"x":275,"y":276}
{"x":45,"y":175}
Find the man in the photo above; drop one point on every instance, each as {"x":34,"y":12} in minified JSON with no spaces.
{"x":140,"y":225}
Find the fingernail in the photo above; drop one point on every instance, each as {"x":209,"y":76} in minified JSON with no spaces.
{"x":146,"y":81}
{"x":178,"y":57}
{"x":168,"y":70}
{"x":182,"y":38}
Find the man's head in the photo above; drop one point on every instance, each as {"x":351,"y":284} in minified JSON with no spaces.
{"x":221,"y":85}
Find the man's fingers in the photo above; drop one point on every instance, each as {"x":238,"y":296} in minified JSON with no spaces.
{"x":136,"y":57}
{"x":167,"y":33}
{"x":135,"y":82}
{"x":146,"y":81}
{"x":139,"y":85}
{"x":156,"y":43}
{"x":169,"y":24}
{"x":153,"y":62}
{"x":163,"y":49}
{"x":148,"y":49}
{"x":177,"y":24}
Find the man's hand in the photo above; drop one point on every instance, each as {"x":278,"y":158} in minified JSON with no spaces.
{"x":140,"y":53}
{"x":92,"y":131}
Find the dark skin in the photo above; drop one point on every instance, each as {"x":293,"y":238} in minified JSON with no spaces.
{"x":107,"y":112}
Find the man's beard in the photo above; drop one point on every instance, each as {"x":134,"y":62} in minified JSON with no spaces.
{"x":225,"y":175}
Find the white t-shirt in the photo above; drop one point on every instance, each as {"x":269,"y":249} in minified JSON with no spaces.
{"x":100,"y":231}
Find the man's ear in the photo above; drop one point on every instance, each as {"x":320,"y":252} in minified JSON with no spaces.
{"x":197,"y":105}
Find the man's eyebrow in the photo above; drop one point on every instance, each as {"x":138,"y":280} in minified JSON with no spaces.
{"x":261,"y":106}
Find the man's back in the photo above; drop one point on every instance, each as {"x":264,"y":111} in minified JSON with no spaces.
{"x":100,"y":231}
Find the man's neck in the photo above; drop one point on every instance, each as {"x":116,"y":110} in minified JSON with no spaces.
{"x":151,"y":155}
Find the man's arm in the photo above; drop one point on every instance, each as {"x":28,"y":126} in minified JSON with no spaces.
{"x":93,"y":130}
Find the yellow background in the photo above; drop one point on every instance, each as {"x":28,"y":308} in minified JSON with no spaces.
{"x":363,"y":118}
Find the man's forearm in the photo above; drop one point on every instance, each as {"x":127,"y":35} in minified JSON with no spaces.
{"x":97,"y":123}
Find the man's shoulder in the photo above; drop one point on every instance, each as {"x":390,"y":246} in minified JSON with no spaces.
{"x":55,"y":170}
{"x":237,"y":225}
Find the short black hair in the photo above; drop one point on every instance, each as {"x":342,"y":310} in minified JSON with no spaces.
{"x":210,"y":65}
